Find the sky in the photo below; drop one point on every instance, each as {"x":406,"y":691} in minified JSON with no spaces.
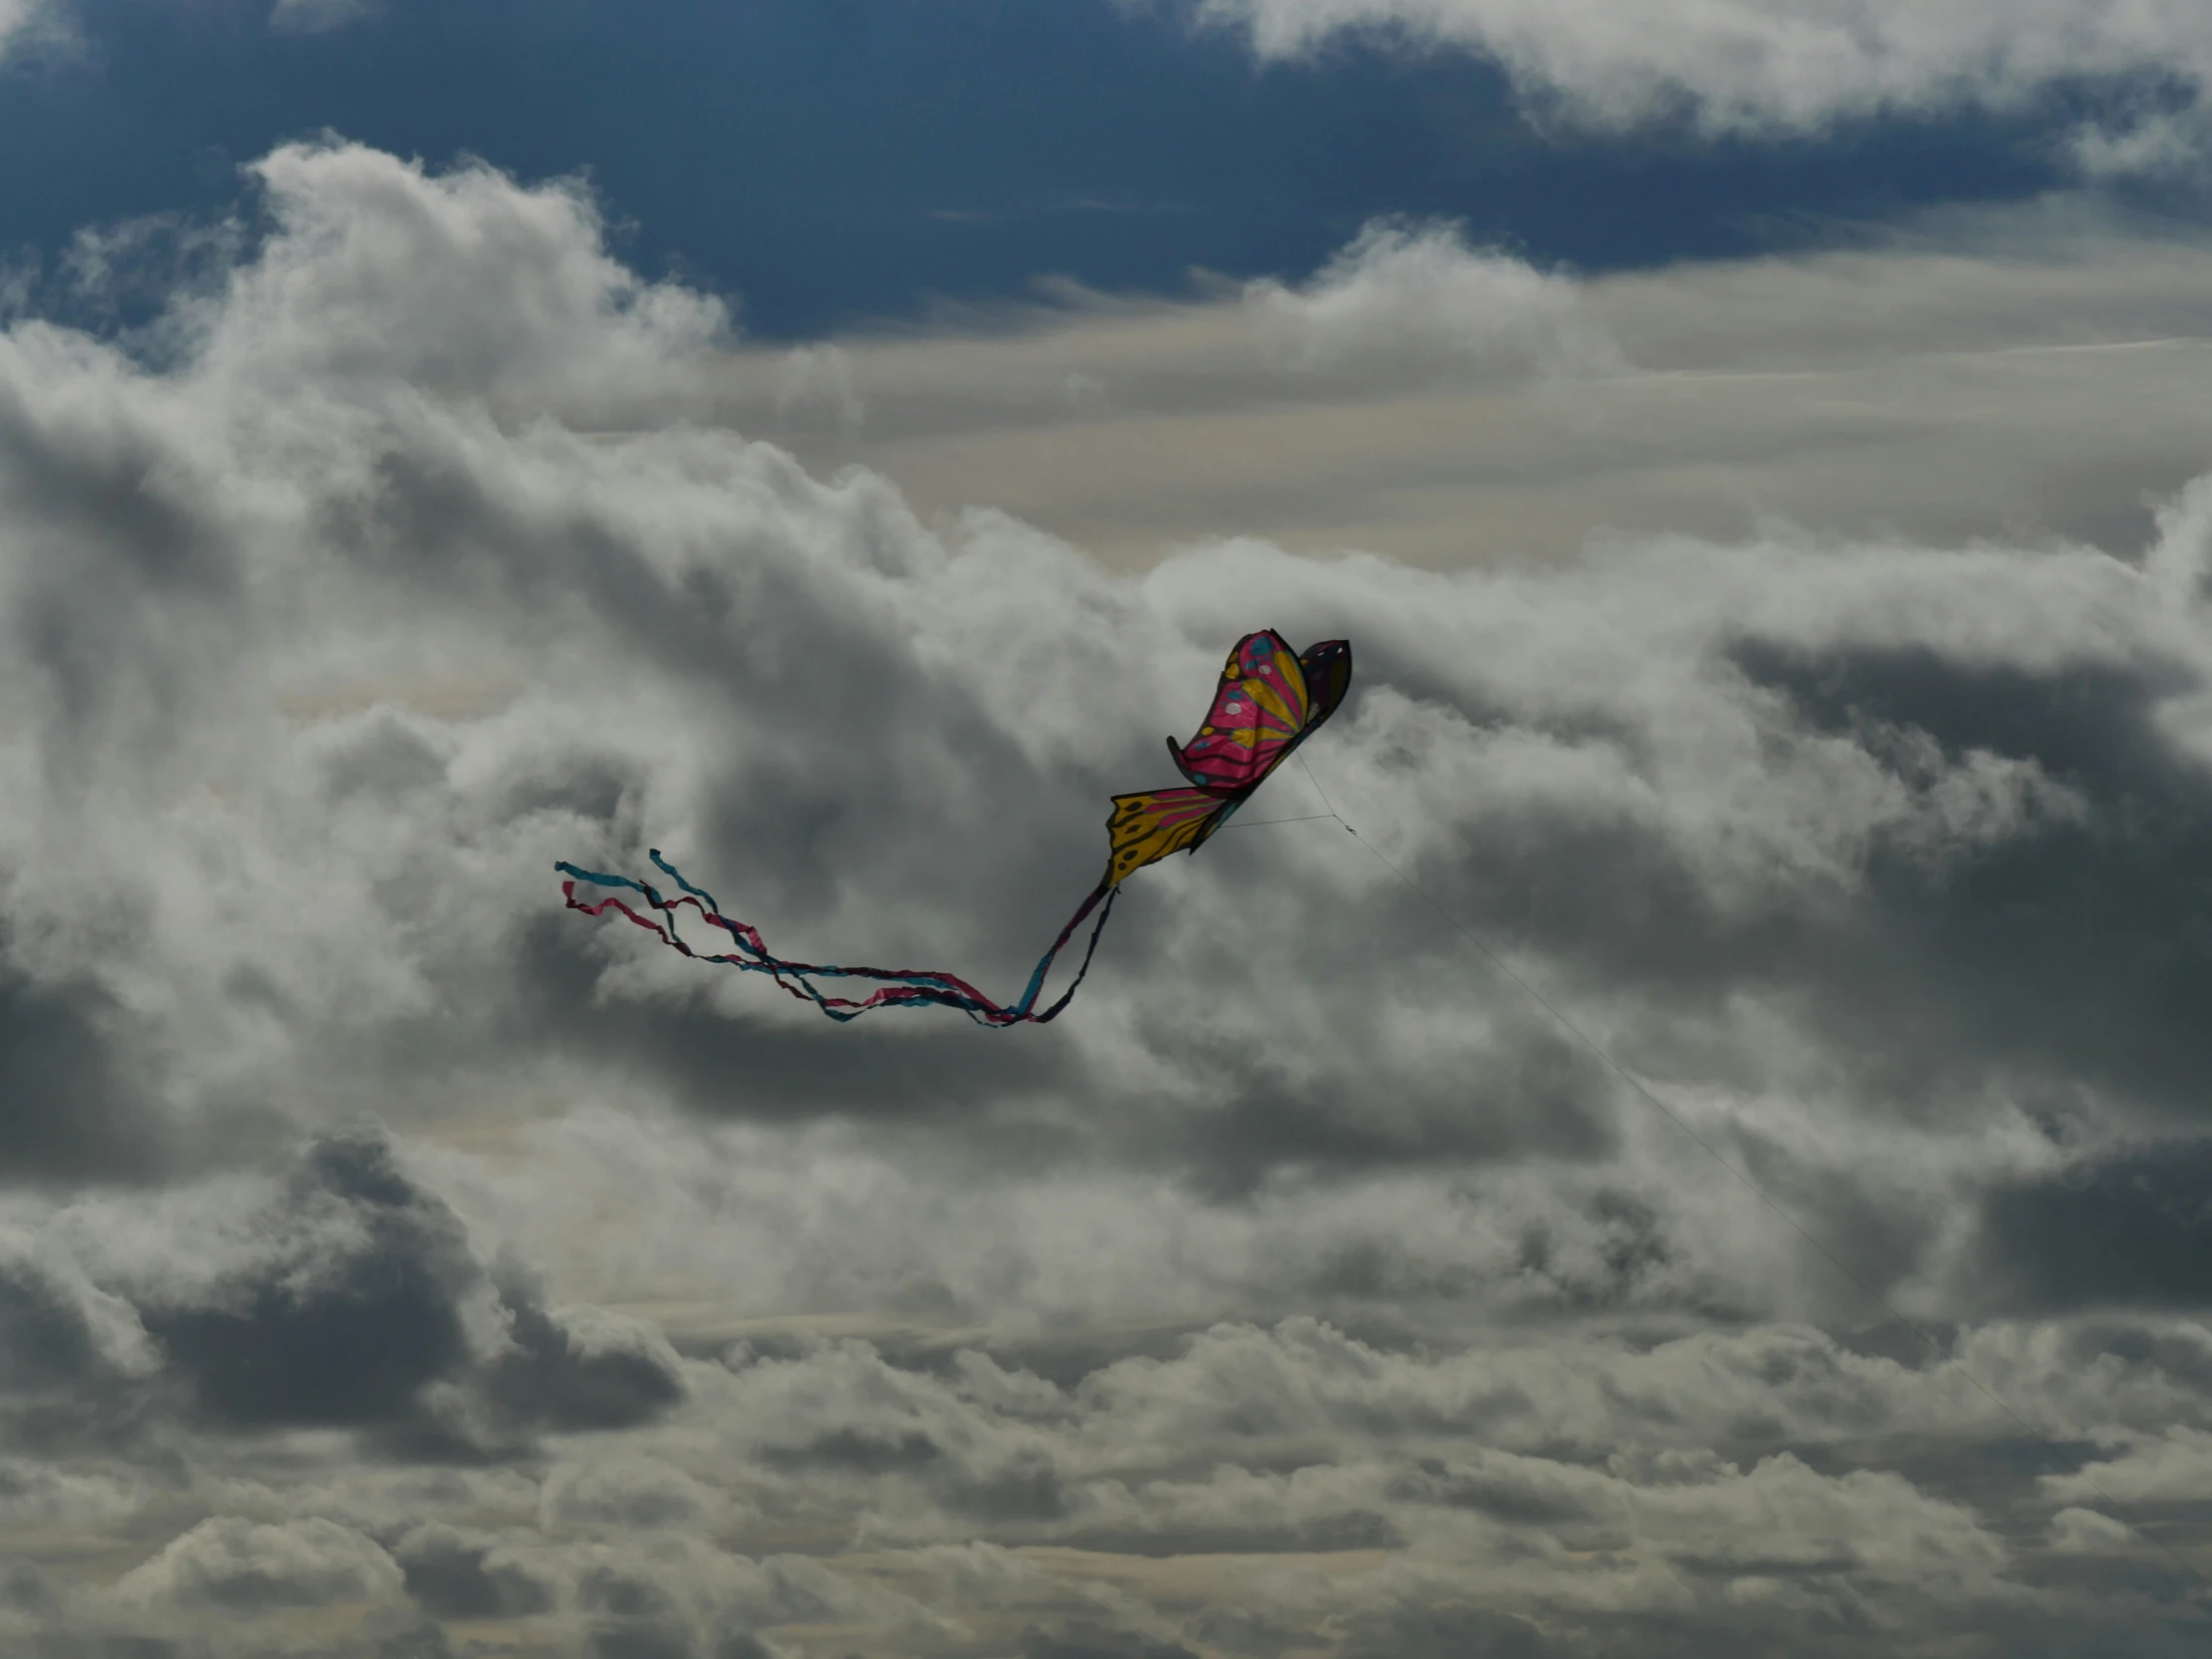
{"x":1717,"y":1164}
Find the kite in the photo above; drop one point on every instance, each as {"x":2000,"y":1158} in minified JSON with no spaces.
{"x":1269,"y":700}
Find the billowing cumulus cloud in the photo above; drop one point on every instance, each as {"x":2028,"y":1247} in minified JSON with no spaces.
{"x":235,"y":1562}
{"x":391,"y":1261}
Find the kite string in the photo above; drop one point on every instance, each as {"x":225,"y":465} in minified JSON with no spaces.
{"x":1943,"y":1355}
{"x":1262,"y":823}
{"x":899,"y":987}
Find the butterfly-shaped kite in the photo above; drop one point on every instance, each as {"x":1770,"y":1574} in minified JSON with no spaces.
{"x":1268,"y":702}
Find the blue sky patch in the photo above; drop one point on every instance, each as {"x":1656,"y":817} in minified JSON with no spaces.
{"x":831,"y":160}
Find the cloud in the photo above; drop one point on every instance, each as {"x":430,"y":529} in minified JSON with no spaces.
{"x":2085,"y":1531}
{"x":315,"y":16}
{"x":2160,"y":144}
{"x":62,"y":1329}
{"x":36,"y":1498}
{"x":1440,"y":1630}
{"x":2168,"y":1466}
{"x":389,"y":1246}
{"x":227,"y":1562}
{"x":344,"y":1296}
{"x":1417,"y":298}
{"x":359,"y":1303}
{"x":623,"y":1493}
{"x":2022,"y":376}
{"x":1591,"y":1484}
{"x":1768,"y":67}
{"x":816,"y":383}
{"x":2128,"y":1225}
{"x":27,"y":24}
{"x":456,"y":1574}
{"x":1770,"y":794}
{"x":1770,"y":736}
{"x":1091,"y":1641}
{"x":469,"y":289}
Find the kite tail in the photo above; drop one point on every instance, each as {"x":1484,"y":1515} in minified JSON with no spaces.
{"x":898,"y":987}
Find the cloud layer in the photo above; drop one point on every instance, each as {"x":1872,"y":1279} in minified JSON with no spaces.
{"x":393,"y":1261}
{"x":2024,"y":376}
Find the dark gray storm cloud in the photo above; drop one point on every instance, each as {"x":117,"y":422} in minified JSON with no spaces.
{"x":2129,"y":1227}
{"x":365,"y":1301}
{"x":390,"y":1253}
{"x":452,"y":1574}
{"x":78,"y":1107}
{"x":338,"y":1334}
{"x":355,"y":1301}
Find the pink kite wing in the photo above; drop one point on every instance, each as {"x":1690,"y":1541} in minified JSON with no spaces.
{"x":1260,"y":709}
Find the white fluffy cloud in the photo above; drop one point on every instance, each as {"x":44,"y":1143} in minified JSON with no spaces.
{"x":1416,"y":297}
{"x":1770,"y":65}
{"x":16,"y":17}
{"x":230,"y":1561}
{"x":421,"y":558}
{"x":29,"y":24}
